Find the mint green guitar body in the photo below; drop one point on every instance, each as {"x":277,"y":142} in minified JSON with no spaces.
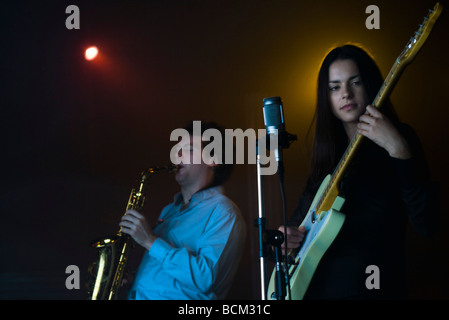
{"x":321,"y":231}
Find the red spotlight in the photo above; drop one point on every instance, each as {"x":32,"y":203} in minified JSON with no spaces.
{"x":91,"y":53}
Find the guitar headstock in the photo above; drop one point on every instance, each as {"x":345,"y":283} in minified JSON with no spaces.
{"x":417,"y":41}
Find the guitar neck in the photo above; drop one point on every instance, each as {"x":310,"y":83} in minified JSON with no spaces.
{"x":389,"y":83}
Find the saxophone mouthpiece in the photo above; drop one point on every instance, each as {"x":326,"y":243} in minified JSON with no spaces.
{"x":170,"y":169}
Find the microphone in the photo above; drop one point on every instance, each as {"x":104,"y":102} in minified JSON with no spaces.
{"x":274,"y":120}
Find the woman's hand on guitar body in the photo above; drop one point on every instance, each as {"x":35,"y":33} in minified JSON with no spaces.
{"x":295,"y":236}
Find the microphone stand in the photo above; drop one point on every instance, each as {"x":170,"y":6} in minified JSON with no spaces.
{"x":273,"y":238}
{"x":261,"y":226}
{"x":268,"y":237}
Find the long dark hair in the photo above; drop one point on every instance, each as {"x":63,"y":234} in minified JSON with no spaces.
{"x":330,"y":139}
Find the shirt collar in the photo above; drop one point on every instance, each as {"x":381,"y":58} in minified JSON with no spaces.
{"x":199,"y":196}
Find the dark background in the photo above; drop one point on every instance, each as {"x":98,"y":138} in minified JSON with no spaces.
{"x":76,"y":134}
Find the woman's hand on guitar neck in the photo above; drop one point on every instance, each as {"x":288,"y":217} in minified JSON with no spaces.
{"x":295,"y":236}
{"x":375,"y":126}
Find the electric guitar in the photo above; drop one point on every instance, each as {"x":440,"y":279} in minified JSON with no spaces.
{"x":324,"y":219}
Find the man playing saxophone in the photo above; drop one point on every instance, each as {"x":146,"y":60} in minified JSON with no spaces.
{"x":193,"y":253}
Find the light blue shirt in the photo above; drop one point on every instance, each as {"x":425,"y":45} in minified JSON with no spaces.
{"x":197,"y":251}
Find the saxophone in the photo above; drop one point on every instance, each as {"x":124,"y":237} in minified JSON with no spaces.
{"x":114,"y":250}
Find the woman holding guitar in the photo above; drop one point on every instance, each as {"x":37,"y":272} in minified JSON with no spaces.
{"x":386,"y":184}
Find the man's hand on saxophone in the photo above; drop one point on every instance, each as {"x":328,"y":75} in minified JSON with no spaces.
{"x":135,"y":225}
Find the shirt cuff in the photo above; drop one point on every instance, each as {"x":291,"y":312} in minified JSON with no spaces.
{"x":159,"y":249}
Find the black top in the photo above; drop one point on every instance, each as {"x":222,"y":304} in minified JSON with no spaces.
{"x":380,"y":193}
